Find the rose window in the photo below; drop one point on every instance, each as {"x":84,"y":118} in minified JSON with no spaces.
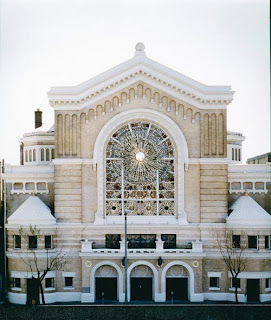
{"x":140,"y":171}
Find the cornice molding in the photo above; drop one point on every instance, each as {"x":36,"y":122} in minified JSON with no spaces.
{"x":140,"y":69}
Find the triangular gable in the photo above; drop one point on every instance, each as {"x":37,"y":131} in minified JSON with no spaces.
{"x":140,"y":68}
{"x":32,"y":212}
{"x":246,"y":211}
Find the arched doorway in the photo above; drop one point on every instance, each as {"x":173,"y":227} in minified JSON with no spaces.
{"x":177,"y":283}
{"x":106,"y":283}
{"x":188,"y":273}
{"x":141,"y":283}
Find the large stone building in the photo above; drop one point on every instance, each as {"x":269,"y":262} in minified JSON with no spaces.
{"x":149,"y":142}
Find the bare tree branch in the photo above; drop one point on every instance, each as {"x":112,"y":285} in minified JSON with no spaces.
{"x":54,"y":260}
{"x":234,"y":257}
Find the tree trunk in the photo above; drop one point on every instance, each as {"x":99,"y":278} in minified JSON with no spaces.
{"x":236,"y":294}
{"x":42,"y":293}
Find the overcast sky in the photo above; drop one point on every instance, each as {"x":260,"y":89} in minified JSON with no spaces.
{"x":65,"y":42}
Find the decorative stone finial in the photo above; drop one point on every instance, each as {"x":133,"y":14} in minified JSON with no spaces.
{"x":245,"y":193}
{"x":139,"y":49}
{"x":140,"y":46}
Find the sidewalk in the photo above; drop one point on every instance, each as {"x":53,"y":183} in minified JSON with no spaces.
{"x":206,"y":311}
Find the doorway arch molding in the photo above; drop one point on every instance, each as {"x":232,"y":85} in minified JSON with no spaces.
{"x":119,"y":282}
{"x":155,"y":277}
{"x":191,"y":281}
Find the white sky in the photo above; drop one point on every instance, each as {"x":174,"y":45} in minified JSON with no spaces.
{"x":65,"y":42}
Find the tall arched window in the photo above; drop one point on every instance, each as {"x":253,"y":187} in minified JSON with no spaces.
{"x":140,"y":171}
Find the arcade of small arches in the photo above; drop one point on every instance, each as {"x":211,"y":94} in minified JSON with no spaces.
{"x":38,"y":154}
{"x":176,"y":282}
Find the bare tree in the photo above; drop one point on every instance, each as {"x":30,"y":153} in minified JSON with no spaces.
{"x":233,"y":252}
{"x":39,"y":267}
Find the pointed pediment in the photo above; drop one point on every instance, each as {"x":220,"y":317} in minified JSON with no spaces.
{"x":246,"y":211}
{"x":32,"y":212}
{"x":140,"y":68}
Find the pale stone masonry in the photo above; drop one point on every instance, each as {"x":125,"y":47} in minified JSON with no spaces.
{"x":175,"y":196}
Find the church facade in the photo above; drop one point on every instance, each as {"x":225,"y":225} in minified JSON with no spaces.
{"x":145,"y":142}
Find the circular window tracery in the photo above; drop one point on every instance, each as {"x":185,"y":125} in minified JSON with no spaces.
{"x":140,"y":171}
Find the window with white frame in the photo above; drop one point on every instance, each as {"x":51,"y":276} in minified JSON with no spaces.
{"x":236,"y":243}
{"x":48,"y":243}
{"x":49,"y":283}
{"x":235,"y":282}
{"x":268,"y":283}
{"x":16,"y":283}
{"x":17,"y":241}
{"x":32,"y":242}
{"x":214,"y":282}
{"x":68,"y":282}
{"x":267,"y":242}
{"x":253,"y":242}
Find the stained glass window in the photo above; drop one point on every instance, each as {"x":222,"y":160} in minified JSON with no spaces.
{"x":140,"y":171}
{"x":169,"y":241}
{"x":137,"y":241}
{"x":112,"y":241}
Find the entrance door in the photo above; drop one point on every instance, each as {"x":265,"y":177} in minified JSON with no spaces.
{"x":32,"y":291}
{"x":253,"y":290}
{"x":141,"y":289}
{"x":106,"y":288}
{"x":177,"y":288}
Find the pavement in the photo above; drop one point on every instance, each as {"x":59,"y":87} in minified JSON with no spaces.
{"x":138,"y":311}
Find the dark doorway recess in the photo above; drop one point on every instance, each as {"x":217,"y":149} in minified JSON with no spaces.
{"x":253,"y":290}
{"x":33,"y":291}
{"x":141,"y":289}
{"x":108,"y":286}
{"x":178,"y":286}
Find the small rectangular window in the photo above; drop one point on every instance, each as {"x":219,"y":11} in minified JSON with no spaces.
{"x":112,"y":241}
{"x":268,"y":283}
{"x":267,"y":242}
{"x":141,"y":241}
{"x":214,"y":282}
{"x":32,"y":242}
{"x":48,"y":242}
{"x":235,"y":282}
{"x":49,"y":282}
{"x":253,"y":242}
{"x":16,"y":283}
{"x":17,"y":241}
{"x":68,"y":281}
{"x":236,"y":241}
{"x":169,"y":241}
